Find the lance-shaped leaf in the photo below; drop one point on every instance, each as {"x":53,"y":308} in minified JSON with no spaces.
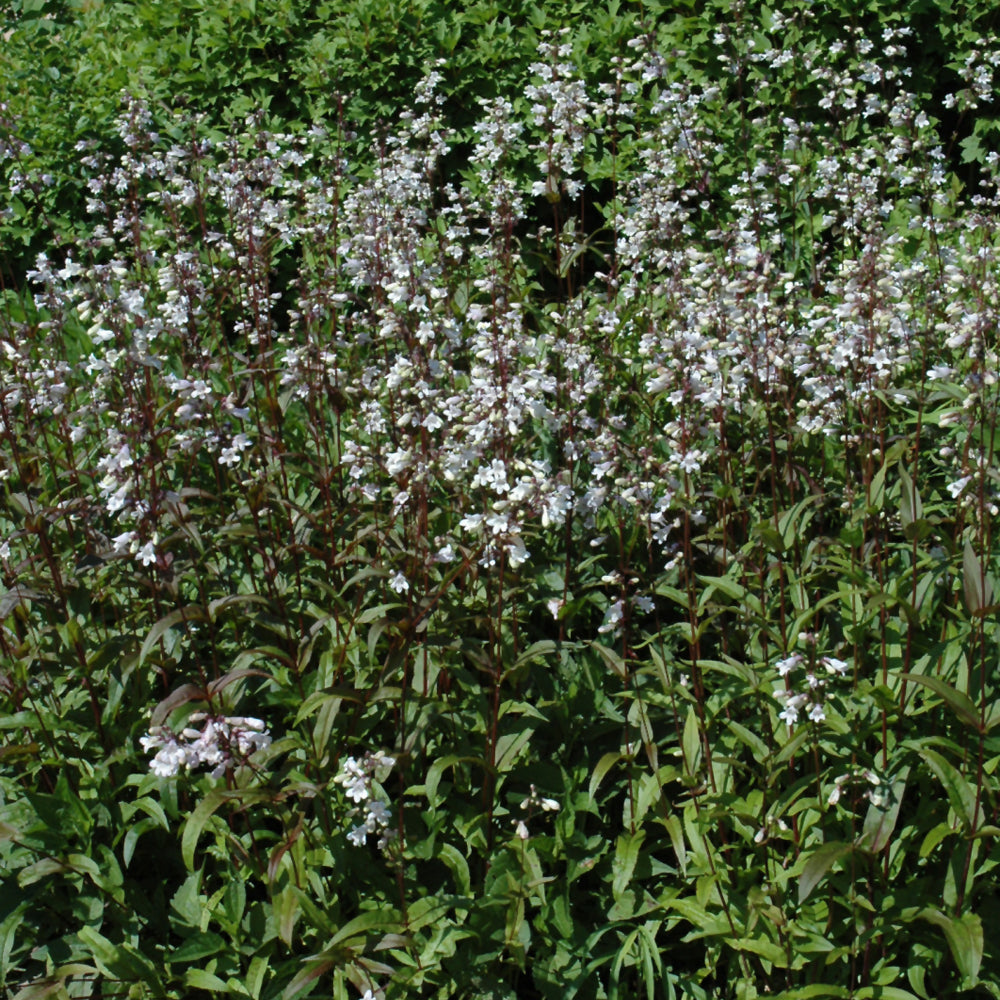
{"x":190,"y":613}
{"x":818,"y":864}
{"x":204,"y":811}
{"x":965,"y":939}
{"x":975,"y":583}
{"x":880,"y":820}
{"x":961,"y":793}
{"x":961,"y":704}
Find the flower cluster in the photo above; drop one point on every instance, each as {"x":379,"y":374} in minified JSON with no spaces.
{"x":811,"y":699}
{"x":411,"y":322}
{"x":222,"y":743}
{"x":530,"y":805}
{"x":874,"y":790}
{"x":361,"y":779}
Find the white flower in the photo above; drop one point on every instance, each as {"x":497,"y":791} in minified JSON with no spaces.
{"x":170,"y":755}
{"x":378,"y":815}
{"x":168,"y":761}
{"x":788,"y":664}
{"x":959,"y":485}
{"x":123,"y":542}
{"x":380,"y":761}
{"x":516,"y":552}
{"x":399,"y":583}
{"x":398,"y":461}
{"x":147,"y":554}
{"x":834,"y":665}
{"x":535,"y":801}
{"x":357,"y":778}
{"x":354,"y":779}
{"x":219,"y":744}
{"x":611,"y":618}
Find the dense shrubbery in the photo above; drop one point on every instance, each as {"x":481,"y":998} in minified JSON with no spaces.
{"x":522,"y":541}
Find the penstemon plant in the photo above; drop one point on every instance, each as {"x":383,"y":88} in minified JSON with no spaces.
{"x":546,"y":557}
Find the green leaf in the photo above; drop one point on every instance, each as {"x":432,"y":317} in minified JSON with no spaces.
{"x":188,"y":902}
{"x":694,"y":913}
{"x":793,"y":522}
{"x":732,"y":589}
{"x":426,"y":911}
{"x":204,"y":811}
{"x":876,"y":496}
{"x":691,"y":742}
{"x":121,"y":961}
{"x":881,"y":821}
{"x":975,"y":583}
{"x":626,"y":856}
{"x":382,"y":920}
{"x":676,"y":830}
{"x":961,"y":793}
{"x":612,"y":660}
{"x":911,"y":507}
{"x":801,"y":736}
{"x":455,"y":860}
{"x":285,"y":908}
{"x":509,"y":747}
{"x":933,"y":837}
{"x":646,"y":733}
{"x":199,"y":979}
{"x":965,"y":939}
{"x":539,"y":650}
{"x":972,"y":150}
{"x":256,"y":975}
{"x":751,"y":739}
{"x":961,"y":704}
{"x":815,"y":991}
{"x":818,"y":864}
{"x":883,"y":993}
{"x":234,"y":903}
{"x":198,"y":945}
{"x":604,"y":765}
{"x":436,"y":771}
{"x":765,"y":948}
{"x":216,"y":607}
{"x":310,"y":973}
{"x":179,"y":616}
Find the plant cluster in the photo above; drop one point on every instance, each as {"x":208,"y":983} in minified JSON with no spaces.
{"x":549,"y":556}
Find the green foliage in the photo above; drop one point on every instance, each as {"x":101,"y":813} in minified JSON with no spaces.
{"x":591,"y":495}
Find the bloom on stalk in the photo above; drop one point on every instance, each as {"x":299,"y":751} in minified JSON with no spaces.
{"x":222,"y":743}
{"x":811,"y":699}
{"x":359,"y":778}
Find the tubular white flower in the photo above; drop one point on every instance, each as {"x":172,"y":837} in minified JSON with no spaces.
{"x":221,"y":743}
